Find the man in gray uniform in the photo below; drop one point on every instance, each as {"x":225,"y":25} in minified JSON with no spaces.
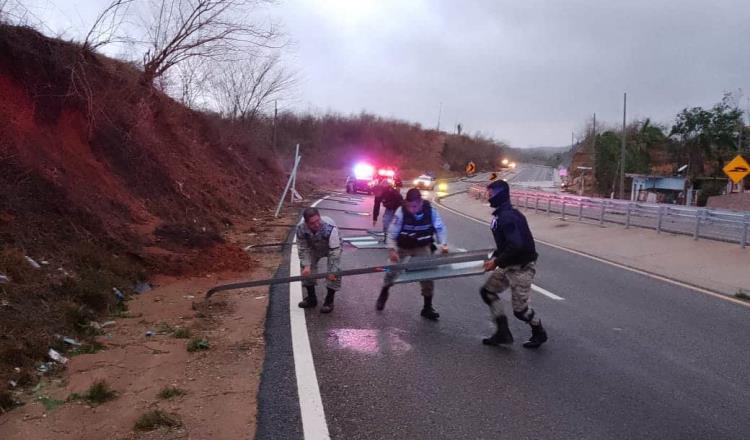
{"x":318,"y":237}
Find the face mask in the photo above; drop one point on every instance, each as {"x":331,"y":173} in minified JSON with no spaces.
{"x":497,"y":199}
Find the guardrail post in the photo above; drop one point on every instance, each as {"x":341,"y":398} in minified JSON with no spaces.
{"x":601,"y":213}
{"x":698,"y":214}
{"x":536,"y":204}
{"x":563,"y":210}
{"x":627,"y":216}
{"x":549,"y":205}
{"x":580,"y":210}
{"x":745,"y":227}
{"x":659,"y":219}
{"x":526,"y":203}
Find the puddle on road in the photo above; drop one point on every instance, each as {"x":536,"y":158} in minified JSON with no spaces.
{"x":368,"y":341}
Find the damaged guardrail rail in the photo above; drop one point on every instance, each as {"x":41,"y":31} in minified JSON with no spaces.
{"x":411,"y":265}
{"x":712,"y":224}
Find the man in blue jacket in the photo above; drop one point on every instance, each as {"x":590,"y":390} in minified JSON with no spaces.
{"x":512,"y":266}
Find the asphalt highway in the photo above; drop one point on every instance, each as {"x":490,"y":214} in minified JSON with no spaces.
{"x":629,"y":357}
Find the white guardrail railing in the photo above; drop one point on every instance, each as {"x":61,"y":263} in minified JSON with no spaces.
{"x":713,"y":224}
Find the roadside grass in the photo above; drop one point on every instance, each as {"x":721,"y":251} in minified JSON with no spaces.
{"x":182,"y":333}
{"x":170,"y":392}
{"x":156,"y":419}
{"x":197,"y":344}
{"x":99,"y":392}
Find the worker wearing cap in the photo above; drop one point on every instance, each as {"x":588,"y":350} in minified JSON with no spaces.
{"x":412,"y":234}
{"x":317,"y":238}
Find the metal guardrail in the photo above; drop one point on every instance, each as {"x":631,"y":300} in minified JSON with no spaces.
{"x":712,"y":224}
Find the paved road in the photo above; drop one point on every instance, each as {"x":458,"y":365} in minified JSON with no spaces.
{"x":533,"y":173}
{"x":629,"y":357}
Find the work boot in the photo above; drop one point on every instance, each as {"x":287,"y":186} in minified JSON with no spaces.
{"x":502,"y":335}
{"x":328,"y":303}
{"x":382,"y":298}
{"x":538,"y":336}
{"x":429,"y":312}
{"x":311,"y":300}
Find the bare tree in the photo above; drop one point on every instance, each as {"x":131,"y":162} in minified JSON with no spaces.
{"x":244,"y":89}
{"x":12,"y":11}
{"x":193,"y":76}
{"x":105,"y":27}
{"x":209,"y":29}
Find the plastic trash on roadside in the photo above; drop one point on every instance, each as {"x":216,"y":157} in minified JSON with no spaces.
{"x":57,"y":357}
{"x":71,"y":341}
{"x":120,"y":296}
{"x":33,"y":263}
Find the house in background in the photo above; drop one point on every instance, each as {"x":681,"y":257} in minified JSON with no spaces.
{"x":660,"y":189}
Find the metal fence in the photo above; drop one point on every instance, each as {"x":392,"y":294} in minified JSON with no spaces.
{"x":713,"y":224}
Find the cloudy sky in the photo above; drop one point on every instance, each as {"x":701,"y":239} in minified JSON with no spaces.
{"x":525,"y":71}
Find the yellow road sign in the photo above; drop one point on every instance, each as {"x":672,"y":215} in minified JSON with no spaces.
{"x":471,"y":167}
{"x":737,"y":169}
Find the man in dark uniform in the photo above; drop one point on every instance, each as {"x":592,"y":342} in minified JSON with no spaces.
{"x":391,"y":200}
{"x":513,"y":265}
{"x":411,"y":234}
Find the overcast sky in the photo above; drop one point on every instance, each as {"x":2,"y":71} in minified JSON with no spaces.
{"x":524,"y":71}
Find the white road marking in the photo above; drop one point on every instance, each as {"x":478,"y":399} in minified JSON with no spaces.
{"x":546,"y":293}
{"x":621,"y":266}
{"x":314,"y":425}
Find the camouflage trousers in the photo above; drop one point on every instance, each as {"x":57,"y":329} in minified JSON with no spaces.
{"x":334,"y":265}
{"x":519,"y":280}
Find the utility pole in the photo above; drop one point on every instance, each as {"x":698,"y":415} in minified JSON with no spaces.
{"x":622,"y":146}
{"x":741,"y":185}
{"x":593,"y":151}
{"x":440,"y":113}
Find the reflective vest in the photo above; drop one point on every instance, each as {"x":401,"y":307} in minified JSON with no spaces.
{"x":417,"y":233}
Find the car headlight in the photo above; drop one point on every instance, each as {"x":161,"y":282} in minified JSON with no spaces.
{"x":416,"y":181}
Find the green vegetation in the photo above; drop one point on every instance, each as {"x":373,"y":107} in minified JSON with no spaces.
{"x":99,"y":392}
{"x":703,"y":139}
{"x":170,"y":392}
{"x":49,"y":403}
{"x":164,"y":328}
{"x":182,"y":333}
{"x":197,"y":344}
{"x":156,"y":419}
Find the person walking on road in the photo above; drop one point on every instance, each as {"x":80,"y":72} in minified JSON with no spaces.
{"x":512,"y":266}
{"x":411,"y":234}
{"x":318,"y":237}
{"x":391,"y":200}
